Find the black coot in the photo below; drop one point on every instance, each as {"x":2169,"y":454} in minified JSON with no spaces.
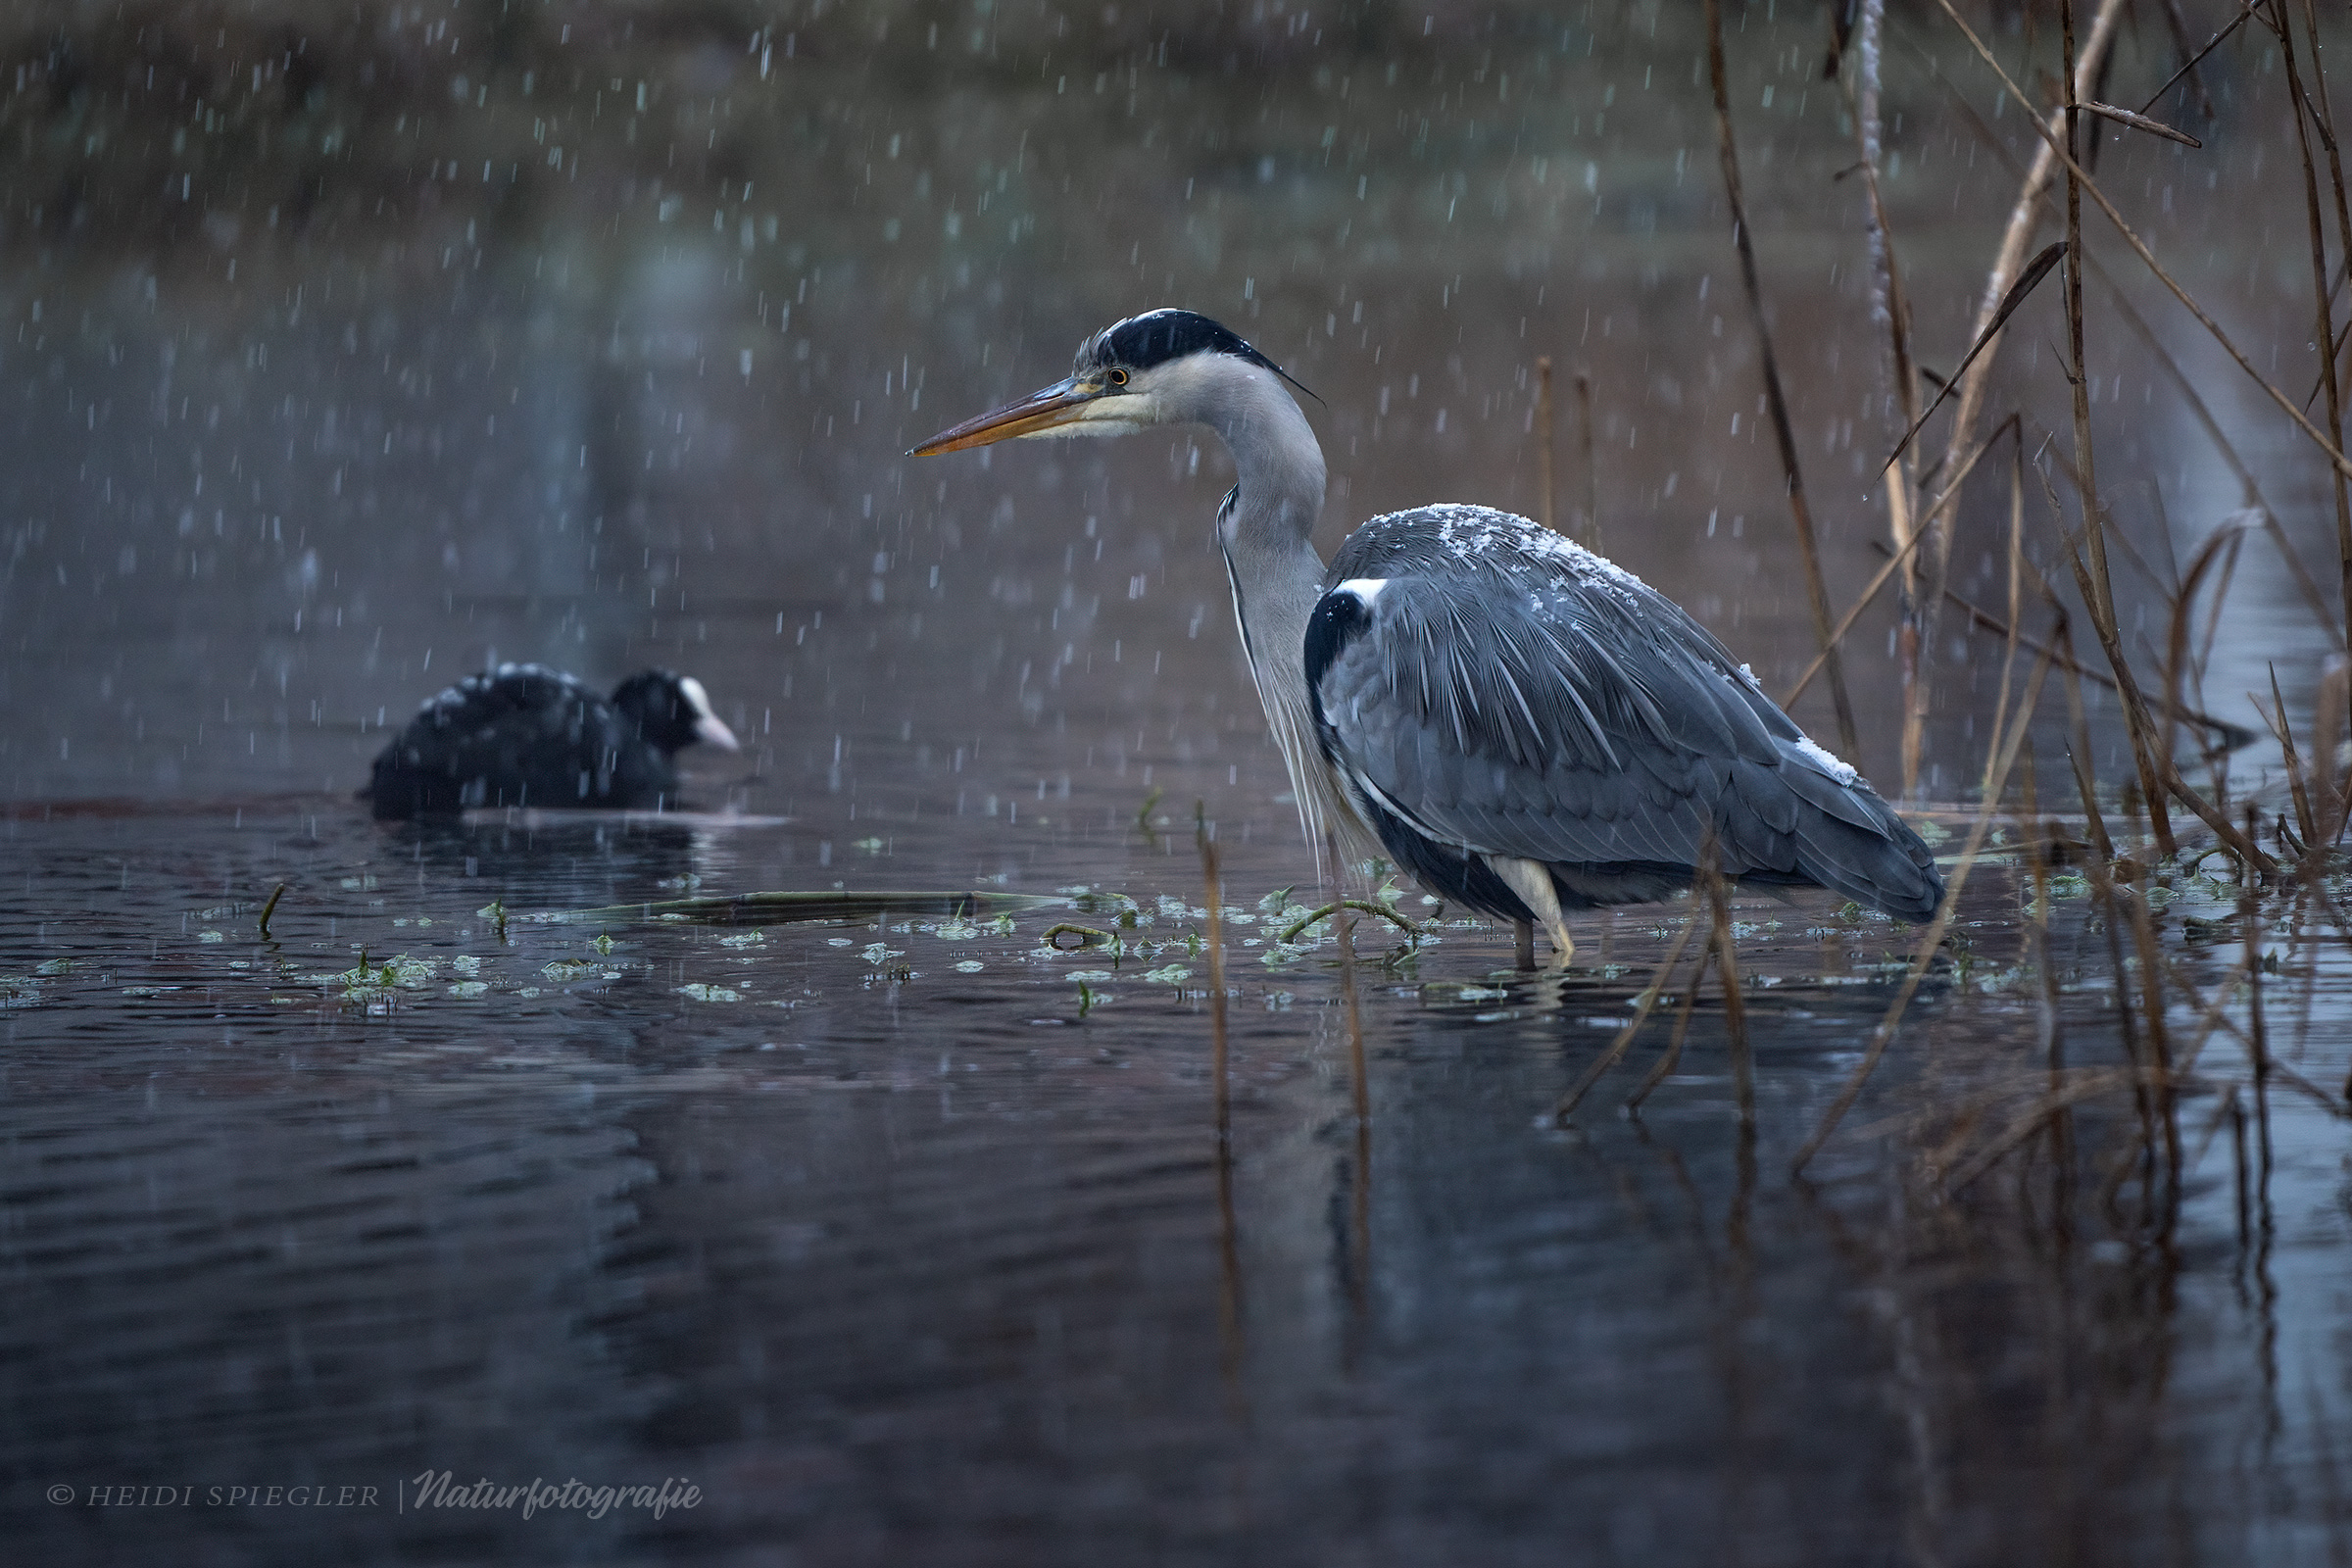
{"x":525,"y":735}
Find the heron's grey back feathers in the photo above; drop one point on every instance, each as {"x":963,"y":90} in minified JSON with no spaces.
{"x":1505,"y":692}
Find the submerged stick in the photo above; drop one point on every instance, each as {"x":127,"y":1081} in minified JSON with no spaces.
{"x":1800,"y":513}
{"x":277,"y":893}
{"x":1291,"y":931}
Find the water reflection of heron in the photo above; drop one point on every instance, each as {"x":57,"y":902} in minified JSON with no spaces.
{"x":1525,"y":727}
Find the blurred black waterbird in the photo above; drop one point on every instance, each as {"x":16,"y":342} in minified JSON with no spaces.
{"x":529,"y":736}
{"x":1523,"y":726}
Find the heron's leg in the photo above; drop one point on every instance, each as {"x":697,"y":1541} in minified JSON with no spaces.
{"x":1524,"y":945}
{"x":1532,"y":881}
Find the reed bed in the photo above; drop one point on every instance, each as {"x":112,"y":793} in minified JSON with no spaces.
{"x":2181,"y":811}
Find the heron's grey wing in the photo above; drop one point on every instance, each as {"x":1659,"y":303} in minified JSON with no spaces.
{"x":1566,"y":717}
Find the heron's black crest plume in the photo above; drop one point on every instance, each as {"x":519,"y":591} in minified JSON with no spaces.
{"x":1156,"y":337}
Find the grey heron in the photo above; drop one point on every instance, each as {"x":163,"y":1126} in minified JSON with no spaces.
{"x":1523,"y":726}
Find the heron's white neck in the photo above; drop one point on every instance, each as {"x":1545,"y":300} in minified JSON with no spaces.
{"x":1266,"y":533}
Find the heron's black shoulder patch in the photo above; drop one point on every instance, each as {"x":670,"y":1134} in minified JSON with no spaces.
{"x":1340,"y":617}
{"x":1159,"y":336}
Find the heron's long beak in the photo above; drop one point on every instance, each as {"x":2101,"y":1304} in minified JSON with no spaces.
{"x":711,"y":731}
{"x":1062,"y":402}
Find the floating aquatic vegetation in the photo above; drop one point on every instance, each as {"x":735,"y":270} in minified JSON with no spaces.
{"x":708,"y":993}
{"x":791,"y":905}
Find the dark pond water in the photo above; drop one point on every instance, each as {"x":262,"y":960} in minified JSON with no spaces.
{"x":597,"y":338}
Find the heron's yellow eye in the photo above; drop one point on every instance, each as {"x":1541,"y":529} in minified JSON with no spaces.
{"x":1119,"y":378}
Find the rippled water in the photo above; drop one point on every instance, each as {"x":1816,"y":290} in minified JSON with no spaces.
{"x":898,"y":1260}
{"x":911,"y":1239}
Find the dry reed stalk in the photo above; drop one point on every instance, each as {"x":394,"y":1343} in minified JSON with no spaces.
{"x":2081,"y":1086}
{"x":1625,"y":1037}
{"x":2331,"y":799}
{"x":2008,"y":267}
{"x":2037,"y":939}
{"x":2153,"y":1006}
{"x":1895,"y":558}
{"x":2257,"y":1039}
{"x":1932,"y":937}
{"x":2136,"y":120}
{"x":2327,"y":449}
{"x":2138,"y":723}
{"x":2100,"y":871}
{"x":1799,"y":511}
{"x":1890,"y":312}
{"x":2251,"y":489}
{"x":2069,"y":1089}
{"x":1735,"y":1006}
{"x":2099,"y":589}
{"x":1359,"y":1204}
{"x":1544,"y":484}
{"x":1583,"y":411}
{"x":2190,"y":64}
{"x":1217,"y":1049}
{"x":2017,"y":584}
{"x":2121,"y":303}
{"x":2001,"y":629}
{"x":2321,"y":289}
{"x":1355,"y":1021}
{"x":2281,"y":727}
{"x":2177,"y":644}
{"x":2179,"y":25}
